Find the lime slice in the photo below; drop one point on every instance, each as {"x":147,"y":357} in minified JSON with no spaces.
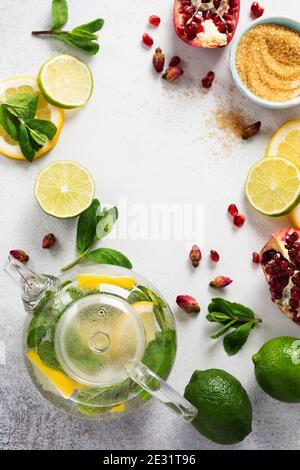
{"x":273,"y":186}
{"x":66,"y":82}
{"x":286,"y":142}
{"x":64,"y":189}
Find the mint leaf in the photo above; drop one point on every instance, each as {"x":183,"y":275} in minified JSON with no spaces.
{"x":59,"y":13}
{"x":90,"y":47}
{"x":41,"y":125}
{"x":136,"y":296}
{"x":101,"y":396}
{"x":25,"y":143}
{"x":92,"y":26}
{"x":86,"y":228}
{"x":218,"y":317}
{"x":22,"y":105}
{"x":82,"y":33}
{"x":38,"y":137}
{"x":9,"y":122}
{"x":235,"y":340}
{"x":220,"y":305}
{"x":106,"y":221}
{"x":109,"y":256}
{"x":47,"y":354}
{"x":223,"y":330}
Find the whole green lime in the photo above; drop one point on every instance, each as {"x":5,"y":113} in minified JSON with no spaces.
{"x":277,"y":368}
{"x":224,"y":409}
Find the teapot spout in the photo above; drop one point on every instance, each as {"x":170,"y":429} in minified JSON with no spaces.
{"x":36,"y":289}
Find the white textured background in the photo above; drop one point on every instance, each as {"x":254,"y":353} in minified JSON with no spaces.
{"x":153,"y":143}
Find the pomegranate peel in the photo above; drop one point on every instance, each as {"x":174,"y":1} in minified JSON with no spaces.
{"x":207,"y":24}
{"x":280,"y":261}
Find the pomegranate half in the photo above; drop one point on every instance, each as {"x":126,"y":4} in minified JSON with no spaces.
{"x":208,"y":24}
{"x":280,"y":261}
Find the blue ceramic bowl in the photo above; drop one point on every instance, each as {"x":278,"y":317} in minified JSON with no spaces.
{"x":290,"y":23}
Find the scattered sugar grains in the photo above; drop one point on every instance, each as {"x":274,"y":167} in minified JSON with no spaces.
{"x":268,"y":62}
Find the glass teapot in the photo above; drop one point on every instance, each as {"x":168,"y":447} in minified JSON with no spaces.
{"x":99,"y":342}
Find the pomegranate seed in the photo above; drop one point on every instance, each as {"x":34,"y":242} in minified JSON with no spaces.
{"x":215,"y":257}
{"x":191,"y":31}
{"x":221,"y":27}
{"x":147,"y":40}
{"x":233,"y":210}
{"x":211,"y":76}
{"x":206,"y":83}
{"x":207,"y":15}
{"x":208,"y":80}
{"x":256,"y":10}
{"x":255,"y":257}
{"x":174,"y":61}
{"x":154,"y":21}
{"x":217,"y":4}
{"x":239,"y":220}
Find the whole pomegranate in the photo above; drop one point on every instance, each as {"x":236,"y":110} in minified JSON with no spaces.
{"x":280,"y":261}
{"x":209,"y":24}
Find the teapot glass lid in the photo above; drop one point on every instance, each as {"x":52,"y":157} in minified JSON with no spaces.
{"x":96,"y":337}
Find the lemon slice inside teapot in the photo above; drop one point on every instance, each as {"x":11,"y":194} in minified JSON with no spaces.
{"x":96,"y":337}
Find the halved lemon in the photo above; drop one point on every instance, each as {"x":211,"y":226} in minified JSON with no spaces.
{"x":64,"y":189}
{"x":93,"y":281}
{"x":10,"y":147}
{"x":286,"y":142}
{"x":58,"y":381}
{"x":66,"y":81}
{"x":273,"y":186}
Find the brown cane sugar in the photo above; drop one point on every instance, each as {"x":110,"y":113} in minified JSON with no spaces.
{"x":268,"y":62}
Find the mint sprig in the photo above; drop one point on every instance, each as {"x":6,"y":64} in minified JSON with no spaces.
{"x":17,"y":117}
{"x":232,"y":315}
{"x":83,"y":36}
{"x":94,"y":224}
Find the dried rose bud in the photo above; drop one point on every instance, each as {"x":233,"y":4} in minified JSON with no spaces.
{"x":48,"y":241}
{"x":174,"y":61}
{"x":158,"y":60}
{"x":251,"y":131}
{"x":220,"y":282}
{"x":172,"y":74}
{"x":20,"y":255}
{"x":195,"y":256}
{"x":188,"y":304}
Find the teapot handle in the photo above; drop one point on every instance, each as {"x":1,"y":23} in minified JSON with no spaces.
{"x":161,"y":390}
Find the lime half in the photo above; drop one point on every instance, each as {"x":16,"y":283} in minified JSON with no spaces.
{"x":64,"y":189}
{"x":66,"y":82}
{"x":273,"y":186}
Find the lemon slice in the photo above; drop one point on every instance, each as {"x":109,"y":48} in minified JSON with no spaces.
{"x":273,"y":186}
{"x":286,"y":142}
{"x":10,"y":147}
{"x":145,"y":311}
{"x":92,"y":281}
{"x":66,"y":82}
{"x":64,"y":189}
{"x":61,"y":383}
